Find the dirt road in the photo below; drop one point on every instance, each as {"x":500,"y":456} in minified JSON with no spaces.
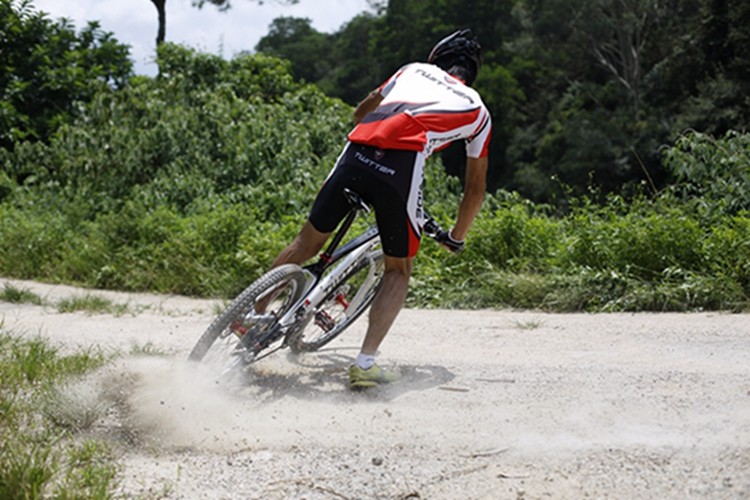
{"x":494,"y":404}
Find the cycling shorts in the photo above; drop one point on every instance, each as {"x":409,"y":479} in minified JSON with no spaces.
{"x":390,"y":181}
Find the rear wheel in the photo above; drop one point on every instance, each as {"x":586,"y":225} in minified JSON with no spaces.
{"x":342,"y":305}
{"x":273,"y":294}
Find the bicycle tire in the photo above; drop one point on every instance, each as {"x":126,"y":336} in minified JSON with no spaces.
{"x":287,"y":282}
{"x":331,"y":316}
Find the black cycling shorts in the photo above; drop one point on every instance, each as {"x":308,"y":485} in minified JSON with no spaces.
{"x":390,"y":181}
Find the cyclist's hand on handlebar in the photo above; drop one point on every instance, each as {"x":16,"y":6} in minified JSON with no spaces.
{"x":433,"y":229}
{"x":455,"y":246}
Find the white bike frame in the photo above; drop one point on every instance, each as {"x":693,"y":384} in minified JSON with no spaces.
{"x":317,"y":288}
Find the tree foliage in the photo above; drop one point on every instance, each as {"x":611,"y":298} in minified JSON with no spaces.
{"x":46,"y":68}
{"x":227,"y":4}
{"x":204,"y":127}
{"x":582,"y":93}
{"x":298,"y":42}
{"x":199,"y":172}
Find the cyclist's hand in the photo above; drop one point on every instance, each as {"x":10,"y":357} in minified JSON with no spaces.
{"x":455,"y":246}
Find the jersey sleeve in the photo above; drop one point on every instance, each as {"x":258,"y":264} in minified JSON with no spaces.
{"x":478,"y":145}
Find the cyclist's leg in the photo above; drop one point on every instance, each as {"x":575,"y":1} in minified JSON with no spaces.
{"x":303,"y":247}
{"x":395,"y":193}
{"x":388,"y":302}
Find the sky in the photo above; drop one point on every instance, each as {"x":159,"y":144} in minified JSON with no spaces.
{"x":134,"y":22}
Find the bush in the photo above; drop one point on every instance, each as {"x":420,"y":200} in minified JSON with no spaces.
{"x":713,"y":174}
{"x":654,"y":255}
{"x":644,"y":241}
{"x":191,"y":182}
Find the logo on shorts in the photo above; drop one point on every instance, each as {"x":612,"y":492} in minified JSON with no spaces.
{"x":379,"y":154}
{"x":374,"y":164}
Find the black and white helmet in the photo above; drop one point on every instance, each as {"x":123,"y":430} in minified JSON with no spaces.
{"x":458,"y":49}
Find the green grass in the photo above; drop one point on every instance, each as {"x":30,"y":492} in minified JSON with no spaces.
{"x":92,"y":304}
{"x":41,"y":455}
{"x":15,"y":295}
{"x":89,"y":303}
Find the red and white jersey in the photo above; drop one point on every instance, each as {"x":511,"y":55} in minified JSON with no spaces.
{"x":425,"y":109}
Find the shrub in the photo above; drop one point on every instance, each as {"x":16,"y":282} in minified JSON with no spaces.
{"x":713,"y":174}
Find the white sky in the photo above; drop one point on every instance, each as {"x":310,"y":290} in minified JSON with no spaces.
{"x":134,"y":22}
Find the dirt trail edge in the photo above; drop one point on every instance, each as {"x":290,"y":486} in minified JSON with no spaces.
{"x":493,"y":404}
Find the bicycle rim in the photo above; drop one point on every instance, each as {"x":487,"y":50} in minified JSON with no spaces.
{"x":342,"y":306}
{"x":253,"y":313}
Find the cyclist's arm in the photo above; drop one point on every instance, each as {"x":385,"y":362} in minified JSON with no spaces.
{"x":471,"y":202}
{"x":367,"y":105}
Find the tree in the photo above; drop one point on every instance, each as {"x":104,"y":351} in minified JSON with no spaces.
{"x":717,"y":102}
{"x":295,"y":39}
{"x":582,"y":93}
{"x":47,"y":68}
{"x":161,"y":9}
{"x":355,"y":69}
{"x":618,"y":31}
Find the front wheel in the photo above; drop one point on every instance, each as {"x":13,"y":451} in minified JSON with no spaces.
{"x":342,"y":305}
{"x":254,"y":312}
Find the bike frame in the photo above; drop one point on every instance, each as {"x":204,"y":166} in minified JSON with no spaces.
{"x":319,"y":283}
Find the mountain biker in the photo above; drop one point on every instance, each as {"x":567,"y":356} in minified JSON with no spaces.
{"x":420,"y":109}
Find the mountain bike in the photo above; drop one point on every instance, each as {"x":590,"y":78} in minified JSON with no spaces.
{"x":302,"y":308}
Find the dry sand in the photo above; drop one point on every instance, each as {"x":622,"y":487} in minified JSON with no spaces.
{"x":493,"y":404}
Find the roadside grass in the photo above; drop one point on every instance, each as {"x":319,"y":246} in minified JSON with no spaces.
{"x":638,"y":254}
{"x":89,"y":303}
{"x":92,"y":304}
{"x":43,"y":453}
{"x":15,"y":295}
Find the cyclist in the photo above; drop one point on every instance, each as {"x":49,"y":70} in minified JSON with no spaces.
{"x":420,"y":109}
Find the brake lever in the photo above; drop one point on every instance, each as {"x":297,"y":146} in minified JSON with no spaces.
{"x":431,"y":228}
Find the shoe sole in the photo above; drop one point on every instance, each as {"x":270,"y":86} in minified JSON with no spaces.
{"x":363,"y":386}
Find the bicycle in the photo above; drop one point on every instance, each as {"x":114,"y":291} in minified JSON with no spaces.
{"x":302,"y":308}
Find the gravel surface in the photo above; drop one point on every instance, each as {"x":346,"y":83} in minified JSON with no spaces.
{"x":493,"y":404}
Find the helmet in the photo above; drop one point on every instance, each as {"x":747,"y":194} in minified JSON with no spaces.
{"x":458,"y":49}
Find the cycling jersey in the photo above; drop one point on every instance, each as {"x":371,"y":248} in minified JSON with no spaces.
{"x":424,"y":109}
